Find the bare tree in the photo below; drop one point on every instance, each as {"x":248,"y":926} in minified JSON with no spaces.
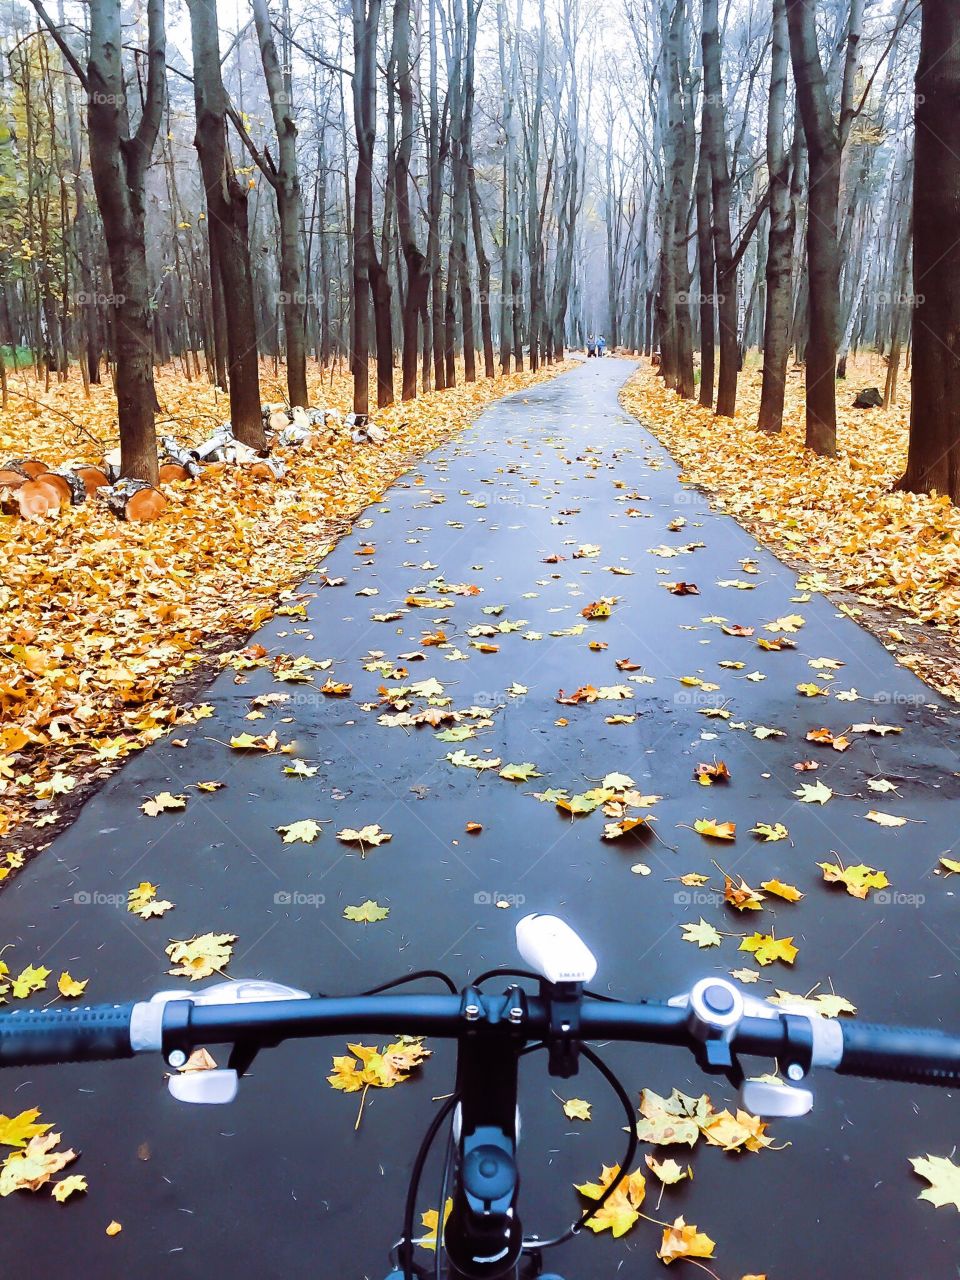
{"x":285,"y":180}
{"x":118,"y":162}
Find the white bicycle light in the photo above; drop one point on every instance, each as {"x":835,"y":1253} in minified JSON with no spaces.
{"x":214,"y":1086}
{"x":551,"y":947}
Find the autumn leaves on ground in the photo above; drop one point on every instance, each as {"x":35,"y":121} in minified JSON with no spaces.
{"x":564,"y":656}
{"x":100,"y":621}
{"x":840,"y":517}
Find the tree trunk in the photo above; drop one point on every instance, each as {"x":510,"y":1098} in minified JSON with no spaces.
{"x":706,"y":277}
{"x":418,"y":278}
{"x":118,"y":163}
{"x":776,"y":328}
{"x":285,"y":179}
{"x":823,"y":256}
{"x":933,"y":461}
{"x":227,"y":213}
{"x":715,"y":140}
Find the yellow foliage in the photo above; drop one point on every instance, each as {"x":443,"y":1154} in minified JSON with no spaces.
{"x":840,"y":515}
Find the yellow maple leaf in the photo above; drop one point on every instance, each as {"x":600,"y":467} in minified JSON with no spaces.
{"x":788,"y":892}
{"x":766,"y":948}
{"x":16,"y":1131}
{"x":370,"y":836}
{"x":368,"y":912}
{"x":143,"y":901}
{"x":306,"y":831}
{"x":858,"y":880}
{"x":715,"y":830}
{"x":69,"y":987}
{"x":621,"y":1210}
{"x":32,"y":1168}
{"x":430,"y":1219}
{"x":250,"y":742}
{"x":577,"y":1109}
{"x":944,"y":1178}
{"x":32,"y":978}
{"x":162,"y":803}
{"x":703,"y":934}
{"x":684,"y":1241}
{"x":67,"y":1187}
{"x":199,"y":957}
{"x":668,"y":1171}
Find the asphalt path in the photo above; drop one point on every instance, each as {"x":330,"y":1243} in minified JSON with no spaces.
{"x":280,"y":1183}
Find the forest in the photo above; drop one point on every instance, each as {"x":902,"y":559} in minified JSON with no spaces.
{"x":399,"y":188}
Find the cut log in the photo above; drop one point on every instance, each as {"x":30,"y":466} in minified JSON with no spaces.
{"x":59,"y":485}
{"x":29,"y":467}
{"x":173,"y":471}
{"x":135,"y":500}
{"x":265,"y":469}
{"x":93,"y":478}
{"x":36,"y":498}
{"x":71,"y":486}
{"x":173,"y":452}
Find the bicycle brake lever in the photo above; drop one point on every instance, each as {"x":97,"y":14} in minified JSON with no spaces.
{"x":772,"y":1098}
{"x":218,"y":1085}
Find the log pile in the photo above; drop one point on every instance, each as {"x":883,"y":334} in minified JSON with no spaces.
{"x":32,"y":490}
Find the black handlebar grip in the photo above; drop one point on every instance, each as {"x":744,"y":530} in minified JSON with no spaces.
{"x":85,"y":1034}
{"x":908,"y":1054}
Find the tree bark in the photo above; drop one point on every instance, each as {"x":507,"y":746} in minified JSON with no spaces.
{"x":933,"y":460}
{"x":369,"y":275}
{"x":776,"y":328}
{"x":227,"y":214}
{"x":715,"y":140}
{"x":706,"y":276}
{"x":823,"y":256}
{"x":418,"y":278}
{"x":118,"y":163}
{"x":284,"y":177}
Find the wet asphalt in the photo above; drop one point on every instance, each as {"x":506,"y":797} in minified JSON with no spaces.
{"x":279,"y":1183}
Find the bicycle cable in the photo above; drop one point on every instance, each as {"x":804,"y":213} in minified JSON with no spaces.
{"x":632,"y":1144}
{"x":410,"y":1208}
{"x":536,"y":977}
{"x":399,"y":982}
{"x":441,"y":1212}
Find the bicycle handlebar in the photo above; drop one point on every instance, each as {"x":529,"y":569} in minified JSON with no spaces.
{"x":97,"y":1032}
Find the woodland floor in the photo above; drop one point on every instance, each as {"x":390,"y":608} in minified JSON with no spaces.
{"x":892,"y":560}
{"x":109,"y":632}
{"x":538,"y":552}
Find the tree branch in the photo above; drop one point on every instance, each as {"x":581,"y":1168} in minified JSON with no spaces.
{"x":62,"y":44}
